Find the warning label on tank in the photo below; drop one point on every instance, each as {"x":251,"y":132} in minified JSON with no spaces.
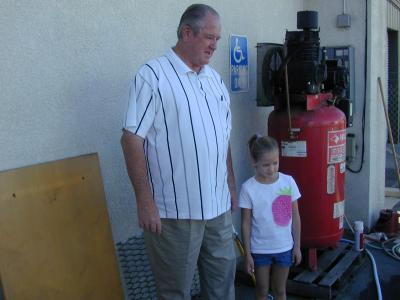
{"x":338,"y":209}
{"x":342,"y":167}
{"x":294,"y":148}
{"x":336,"y":146}
{"x":330,"y":179}
{"x":340,"y":222}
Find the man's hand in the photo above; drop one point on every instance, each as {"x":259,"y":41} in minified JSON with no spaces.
{"x":149,"y":217}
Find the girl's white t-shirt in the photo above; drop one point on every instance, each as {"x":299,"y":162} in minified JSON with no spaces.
{"x":271,"y":205}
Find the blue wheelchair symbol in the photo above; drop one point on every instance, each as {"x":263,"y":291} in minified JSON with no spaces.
{"x":239,"y":68}
{"x":237,"y":52}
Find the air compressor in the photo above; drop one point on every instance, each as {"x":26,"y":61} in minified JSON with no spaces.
{"x":309,"y":123}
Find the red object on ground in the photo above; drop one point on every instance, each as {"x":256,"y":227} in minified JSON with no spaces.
{"x":388,"y":222}
{"x":315,"y":158}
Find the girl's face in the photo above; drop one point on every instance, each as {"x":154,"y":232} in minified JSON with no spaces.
{"x":267,"y":167}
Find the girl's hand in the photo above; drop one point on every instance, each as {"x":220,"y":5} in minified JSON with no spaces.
{"x":249,"y":265}
{"x":296,"y":256}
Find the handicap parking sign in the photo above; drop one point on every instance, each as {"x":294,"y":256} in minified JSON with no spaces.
{"x":239,"y":63}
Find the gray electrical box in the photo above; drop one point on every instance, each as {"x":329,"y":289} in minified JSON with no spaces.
{"x":345,"y":57}
{"x":343,"y":21}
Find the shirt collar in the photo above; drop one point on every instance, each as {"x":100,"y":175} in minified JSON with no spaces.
{"x":182,"y":68}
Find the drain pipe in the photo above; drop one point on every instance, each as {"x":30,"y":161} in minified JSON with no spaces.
{"x":285,"y":53}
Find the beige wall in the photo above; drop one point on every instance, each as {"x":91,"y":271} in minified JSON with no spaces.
{"x":65,"y":69}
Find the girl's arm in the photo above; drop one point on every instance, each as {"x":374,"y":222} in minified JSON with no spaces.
{"x":296,"y":229}
{"x":246,"y":231}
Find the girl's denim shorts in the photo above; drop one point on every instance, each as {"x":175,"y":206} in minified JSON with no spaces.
{"x":283,"y":259}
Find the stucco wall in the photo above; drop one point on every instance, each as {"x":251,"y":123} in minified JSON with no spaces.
{"x":376,"y":124}
{"x":65,"y":69}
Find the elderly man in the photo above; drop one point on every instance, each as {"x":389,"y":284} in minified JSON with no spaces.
{"x":176,"y":146}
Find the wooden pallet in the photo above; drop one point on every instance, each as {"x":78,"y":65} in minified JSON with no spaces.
{"x":334,"y":266}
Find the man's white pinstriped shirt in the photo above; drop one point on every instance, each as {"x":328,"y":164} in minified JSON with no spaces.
{"x":185,"y":120}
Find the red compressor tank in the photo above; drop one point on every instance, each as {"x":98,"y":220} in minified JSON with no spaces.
{"x":315,"y":157}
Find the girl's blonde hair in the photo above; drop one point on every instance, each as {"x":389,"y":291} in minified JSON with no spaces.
{"x":258,"y":145}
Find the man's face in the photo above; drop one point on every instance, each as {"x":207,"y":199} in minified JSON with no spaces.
{"x":202,"y":45}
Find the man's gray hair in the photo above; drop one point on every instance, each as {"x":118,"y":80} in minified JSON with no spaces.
{"x":194,"y":17}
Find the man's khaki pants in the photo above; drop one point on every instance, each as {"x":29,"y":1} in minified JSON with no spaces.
{"x":182,"y":244}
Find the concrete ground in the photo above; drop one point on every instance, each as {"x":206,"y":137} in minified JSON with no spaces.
{"x":361,"y":284}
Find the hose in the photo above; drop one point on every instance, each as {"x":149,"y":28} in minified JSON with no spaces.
{"x":393,"y":252}
{"x":396,"y":250}
{"x":376,"y":276}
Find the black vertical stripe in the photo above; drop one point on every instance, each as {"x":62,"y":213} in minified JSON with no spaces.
{"x":153,"y":71}
{"x":223,"y":94}
{"x":146,"y":150}
{"x":144,"y":114}
{"x":221,"y":89}
{"x":180,"y":136}
{"x":138,"y":96}
{"x":194,"y":140}
{"x":169,"y":148}
{"x":162,"y":182}
{"x":169,"y":154}
{"x":200,"y":113}
{"x":216,"y":142}
{"x":218,"y":85}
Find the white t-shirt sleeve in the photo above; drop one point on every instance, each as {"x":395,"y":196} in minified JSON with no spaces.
{"x":141,"y":107}
{"x":244,"y":198}
{"x":295,"y":189}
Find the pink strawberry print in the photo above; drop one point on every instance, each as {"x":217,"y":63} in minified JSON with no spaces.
{"x":282,"y":207}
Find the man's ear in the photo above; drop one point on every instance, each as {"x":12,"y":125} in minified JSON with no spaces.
{"x":186,"y":31}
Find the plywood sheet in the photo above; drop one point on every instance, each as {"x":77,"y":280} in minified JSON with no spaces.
{"x":55,"y":236}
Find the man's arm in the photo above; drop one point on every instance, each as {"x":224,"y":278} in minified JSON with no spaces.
{"x":132,"y":146}
{"x":246,"y":234}
{"x":231,"y":180}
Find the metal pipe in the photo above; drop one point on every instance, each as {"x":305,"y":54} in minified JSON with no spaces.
{"x":390,"y":130}
{"x":291,"y":135}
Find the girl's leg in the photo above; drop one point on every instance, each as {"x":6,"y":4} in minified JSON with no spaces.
{"x":262,"y":282}
{"x":279,"y":277}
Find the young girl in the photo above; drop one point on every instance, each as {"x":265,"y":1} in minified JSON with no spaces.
{"x":270,"y":220}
